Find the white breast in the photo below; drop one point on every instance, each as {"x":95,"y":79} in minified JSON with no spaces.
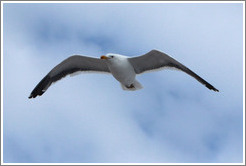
{"x":122,"y":70}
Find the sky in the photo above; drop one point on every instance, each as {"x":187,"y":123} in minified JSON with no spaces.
{"x":88,"y":118}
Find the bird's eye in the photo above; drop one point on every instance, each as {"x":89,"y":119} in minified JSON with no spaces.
{"x":111,"y":56}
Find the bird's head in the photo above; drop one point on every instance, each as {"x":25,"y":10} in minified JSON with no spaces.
{"x":112,"y":57}
{"x":107,"y":57}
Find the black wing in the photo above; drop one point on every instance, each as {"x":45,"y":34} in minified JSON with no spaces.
{"x":156,"y":60}
{"x":68,"y":66}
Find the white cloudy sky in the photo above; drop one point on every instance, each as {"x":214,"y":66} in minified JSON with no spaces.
{"x":89,"y":118}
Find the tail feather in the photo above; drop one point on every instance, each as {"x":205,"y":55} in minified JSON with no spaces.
{"x":134,"y":86}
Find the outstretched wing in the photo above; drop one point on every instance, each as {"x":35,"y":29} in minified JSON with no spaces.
{"x":69,"y":66}
{"x":156,"y":60}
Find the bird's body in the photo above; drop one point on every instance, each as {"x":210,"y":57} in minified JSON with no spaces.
{"x":124,"y":69}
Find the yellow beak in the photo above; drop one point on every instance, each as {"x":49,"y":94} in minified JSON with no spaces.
{"x":104,"y":57}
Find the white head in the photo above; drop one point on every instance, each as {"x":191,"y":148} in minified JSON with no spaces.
{"x":113,"y":57}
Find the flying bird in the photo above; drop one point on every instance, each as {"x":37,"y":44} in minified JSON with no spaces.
{"x":123,"y":68}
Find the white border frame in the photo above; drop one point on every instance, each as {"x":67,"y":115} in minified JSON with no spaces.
{"x":2,"y":2}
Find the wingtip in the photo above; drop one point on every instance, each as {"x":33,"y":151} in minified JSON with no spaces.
{"x":214,"y":89}
{"x":41,"y":87}
{"x":31,"y":96}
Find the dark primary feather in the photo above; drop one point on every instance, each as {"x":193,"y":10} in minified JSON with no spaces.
{"x":41,"y":87}
{"x":156,"y":60}
{"x":68,"y":66}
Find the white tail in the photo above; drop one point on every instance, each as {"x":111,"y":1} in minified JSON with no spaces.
{"x":135,"y":86}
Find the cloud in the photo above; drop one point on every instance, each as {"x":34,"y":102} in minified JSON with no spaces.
{"x":88,"y":118}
